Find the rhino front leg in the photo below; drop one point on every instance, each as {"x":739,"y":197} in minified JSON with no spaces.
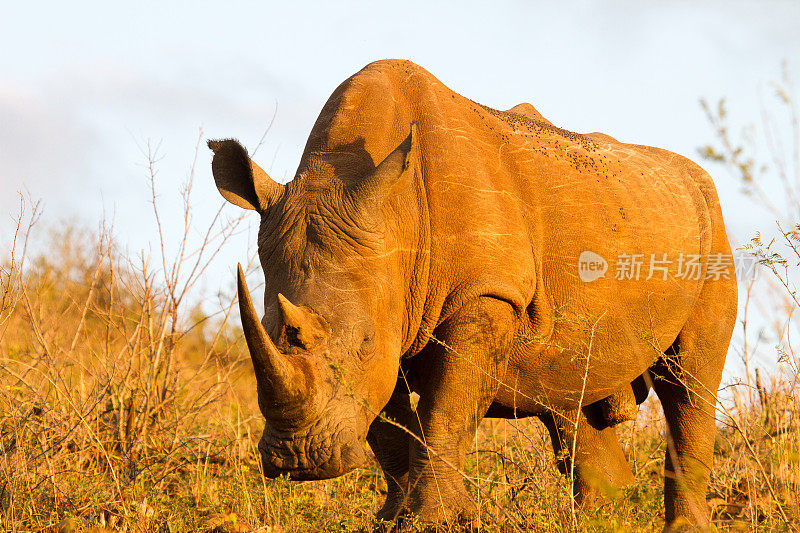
{"x":457,"y":379}
{"x":390,"y":444}
{"x":600,"y":463}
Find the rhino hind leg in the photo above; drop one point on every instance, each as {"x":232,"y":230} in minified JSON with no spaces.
{"x":600,"y":465}
{"x":687,"y":379}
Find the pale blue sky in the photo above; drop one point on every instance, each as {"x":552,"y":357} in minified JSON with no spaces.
{"x":83,"y":85}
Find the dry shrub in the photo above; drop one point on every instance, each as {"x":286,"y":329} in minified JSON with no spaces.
{"x":112,"y":383}
{"x":757,"y":476}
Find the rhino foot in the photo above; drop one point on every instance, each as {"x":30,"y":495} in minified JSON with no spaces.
{"x":433,"y":512}
{"x":438,"y":513}
{"x":393,"y":507}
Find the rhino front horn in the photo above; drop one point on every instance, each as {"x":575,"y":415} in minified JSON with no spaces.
{"x":281,"y":381}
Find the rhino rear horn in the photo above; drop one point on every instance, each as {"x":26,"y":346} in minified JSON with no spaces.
{"x":303,"y":327}
{"x":280,"y":378}
{"x":239,"y":179}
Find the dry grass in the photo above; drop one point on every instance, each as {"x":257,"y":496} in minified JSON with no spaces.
{"x":122,"y":407}
{"x":118,"y":411}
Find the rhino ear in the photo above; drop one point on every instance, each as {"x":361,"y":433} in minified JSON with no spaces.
{"x":239,"y":179}
{"x":375,"y":188}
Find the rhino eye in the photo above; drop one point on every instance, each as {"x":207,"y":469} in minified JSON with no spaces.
{"x":367,"y":347}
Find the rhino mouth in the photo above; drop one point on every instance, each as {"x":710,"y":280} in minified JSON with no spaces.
{"x":317,"y":453}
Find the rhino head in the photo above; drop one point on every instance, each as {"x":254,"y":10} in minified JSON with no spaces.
{"x":326,"y":353}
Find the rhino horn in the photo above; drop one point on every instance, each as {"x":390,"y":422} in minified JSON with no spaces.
{"x":239,"y":179}
{"x":292,"y":315}
{"x":307,"y":328}
{"x":280,"y":379}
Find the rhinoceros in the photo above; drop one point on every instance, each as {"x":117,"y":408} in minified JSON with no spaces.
{"x":497,"y":266}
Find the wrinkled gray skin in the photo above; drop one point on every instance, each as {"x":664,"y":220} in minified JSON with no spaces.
{"x":444,"y":261}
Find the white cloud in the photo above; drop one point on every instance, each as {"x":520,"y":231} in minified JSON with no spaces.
{"x":74,"y":138}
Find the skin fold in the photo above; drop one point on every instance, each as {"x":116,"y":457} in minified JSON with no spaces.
{"x":429,"y":244}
